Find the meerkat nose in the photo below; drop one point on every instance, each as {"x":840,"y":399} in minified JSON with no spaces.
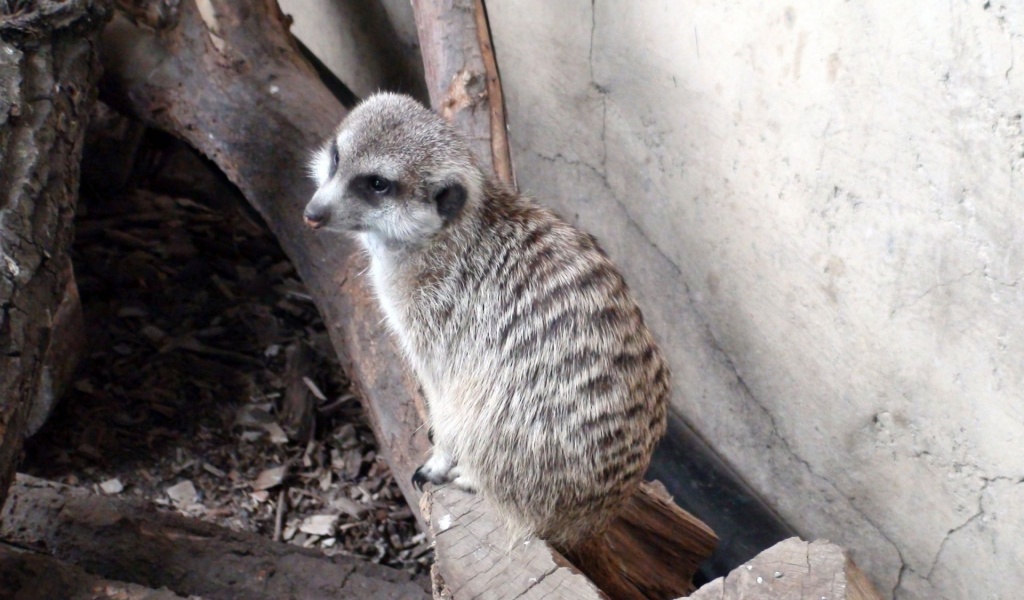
{"x":314,"y":219}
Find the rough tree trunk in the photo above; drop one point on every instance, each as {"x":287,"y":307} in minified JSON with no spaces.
{"x":48,"y":68}
{"x":233,"y":84}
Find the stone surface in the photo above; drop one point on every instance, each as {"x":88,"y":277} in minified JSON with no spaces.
{"x":819,"y":206}
{"x":357,"y":39}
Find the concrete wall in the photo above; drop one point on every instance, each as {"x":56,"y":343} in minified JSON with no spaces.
{"x":370,"y":45}
{"x":821,"y":207}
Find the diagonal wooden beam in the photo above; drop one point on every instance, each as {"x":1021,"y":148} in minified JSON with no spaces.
{"x":230,"y":81}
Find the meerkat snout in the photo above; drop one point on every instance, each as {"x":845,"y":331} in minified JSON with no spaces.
{"x":545,"y":390}
{"x":314,"y":217}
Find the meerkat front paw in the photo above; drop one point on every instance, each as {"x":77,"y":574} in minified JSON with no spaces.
{"x":436,"y":470}
{"x":461,"y":480}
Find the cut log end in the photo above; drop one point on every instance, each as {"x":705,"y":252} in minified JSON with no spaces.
{"x":793,"y":568}
{"x":652,"y":551}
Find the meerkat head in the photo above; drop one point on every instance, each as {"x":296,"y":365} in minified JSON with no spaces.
{"x":393,"y":169}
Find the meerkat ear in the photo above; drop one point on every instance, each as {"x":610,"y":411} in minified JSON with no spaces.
{"x":450,"y":197}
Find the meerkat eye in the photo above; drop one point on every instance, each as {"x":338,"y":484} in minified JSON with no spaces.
{"x":334,"y":157}
{"x":379,"y":184}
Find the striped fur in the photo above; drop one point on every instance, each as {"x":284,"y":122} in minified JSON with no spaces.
{"x":546,"y":391}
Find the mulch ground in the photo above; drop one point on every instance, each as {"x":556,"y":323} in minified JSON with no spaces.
{"x":209,"y":385}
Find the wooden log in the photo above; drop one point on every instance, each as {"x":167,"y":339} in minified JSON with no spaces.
{"x":465,"y":526}
{"x":48,"y":69}
{"x":63,"y":353}
{"x":793,"y":570}
{"x":31,"y":576}
{"x":659,"y":545}
{"x":474,"y":559}
{"x":462,"y":77}
{"x":236,"y":87}
{"x":137,"y":544}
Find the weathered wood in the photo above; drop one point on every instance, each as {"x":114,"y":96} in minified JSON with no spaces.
{"x":63,"y":353}
{"x":794,"y":570}
{"x":654,"y":544}
{"x":48,"y":69}
{"x":237,"y":89}
{"x":659,"y":545}
{"x":474,"y":559}
{"x":32,"y":576}
{"x":136,"y":543}
{"x":462,"y":77}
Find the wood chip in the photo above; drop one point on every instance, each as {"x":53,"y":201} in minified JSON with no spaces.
{"x":323,"y":525}
{"x":269,"y":478}
{"x":153,"y":333}
{"x":112,"y":486}
{"x":212,"y":470}
{"x":314,"y":389}
{"x":183,"y":493}
{"x":349,"y":507}
{"x":277,"y":435}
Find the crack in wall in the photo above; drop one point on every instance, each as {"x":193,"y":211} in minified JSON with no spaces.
{"x":748,"y":393}
{"x":980,"y":514}
{"x":929,"y":291}
{"x":727,"y":360}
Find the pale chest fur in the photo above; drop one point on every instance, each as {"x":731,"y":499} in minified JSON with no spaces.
{"x":404,"y":300}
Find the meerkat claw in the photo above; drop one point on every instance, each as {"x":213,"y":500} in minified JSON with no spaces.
{"x":418,"y":479}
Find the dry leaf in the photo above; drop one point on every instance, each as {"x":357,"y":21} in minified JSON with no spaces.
{"x":269,"y":478}
{"x":322,"y":525}
{"x":112,"y":486}
{"x":183,"y":493}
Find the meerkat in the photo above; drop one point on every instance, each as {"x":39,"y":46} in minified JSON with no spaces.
{"x":545,"y":390}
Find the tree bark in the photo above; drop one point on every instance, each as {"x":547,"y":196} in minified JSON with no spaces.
{"x":134,"y":543}
{"x":31,"y":576}
{"x":462,"y":77}
{"x":63,"y":353}
{"x":48,"y":70}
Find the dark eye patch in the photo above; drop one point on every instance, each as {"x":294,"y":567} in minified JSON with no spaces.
{"x":372,"y":187}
